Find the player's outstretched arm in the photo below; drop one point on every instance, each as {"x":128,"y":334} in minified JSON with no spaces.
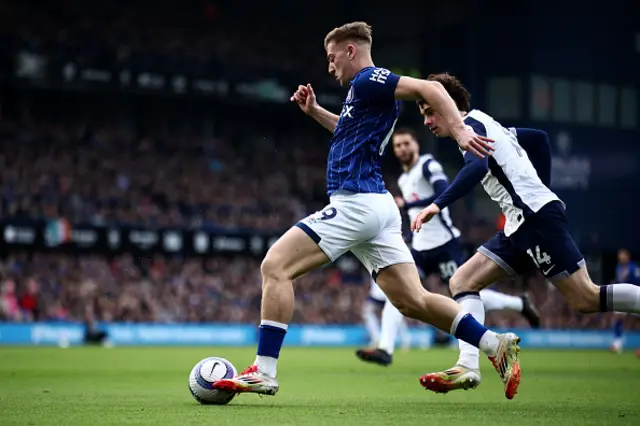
{"x":305,"y":97}
{"x":413,"y":89}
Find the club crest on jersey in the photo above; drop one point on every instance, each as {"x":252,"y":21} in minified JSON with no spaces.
{"x":349,"y":96}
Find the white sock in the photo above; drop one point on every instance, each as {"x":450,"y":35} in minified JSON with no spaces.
{"x":496,"y":301}
{"x":620,"y":298}
{"x":469,"y":354}
{"x":405,"y":335}
{"x":268,"y":364}
{"x":391,"y":322}
{"x":371,"y":321}
{"x":617,"y":343}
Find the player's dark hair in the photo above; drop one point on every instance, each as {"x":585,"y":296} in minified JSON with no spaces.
{"x":407,"y":131}
{"x":356,"y":31}
{"x":454,"y":88}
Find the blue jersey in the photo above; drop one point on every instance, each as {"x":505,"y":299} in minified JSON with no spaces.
{"x":364,"y":129}
{"x":629,"y":273}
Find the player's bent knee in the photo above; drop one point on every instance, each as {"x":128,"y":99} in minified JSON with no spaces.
{"x":411,"y":306}
{"x":461,"y":282}
{"x":272,"y":267}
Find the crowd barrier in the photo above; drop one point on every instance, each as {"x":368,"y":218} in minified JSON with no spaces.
{"x":120,"y":334}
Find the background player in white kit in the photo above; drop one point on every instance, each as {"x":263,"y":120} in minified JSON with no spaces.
{"x":437,"y":249}
{"x":372,"y":308}
{"x":362,"y":217}
{"x":535,"y":235}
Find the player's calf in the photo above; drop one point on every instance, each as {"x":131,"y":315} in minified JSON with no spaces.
{"x":586,"y":297}
{"x":402,"y":285}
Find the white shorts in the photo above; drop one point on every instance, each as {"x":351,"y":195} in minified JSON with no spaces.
{"x":368,"y":225}
{"x":376,"y":293}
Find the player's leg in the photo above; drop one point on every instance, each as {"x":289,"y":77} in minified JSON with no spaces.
{"x":586,"y":297}
{"x":405,"y":335}
{"x":404,"y":289}
{"x":618,"y":334}
{"x":492,"y":263}
{"x":398,"y":278}
{"x":497,"y":301}
{"x":313,"y":242}
{"x":382,"y":353}
{"x":557,"y":256}
{"x":370,"y":315}
{"x":392,"y":321}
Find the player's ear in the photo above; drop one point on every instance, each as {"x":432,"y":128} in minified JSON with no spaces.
{"x":351,"y":51}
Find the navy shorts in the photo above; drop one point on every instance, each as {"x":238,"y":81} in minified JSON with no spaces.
{"x":543,"y":241}
{"x":443,"y":260}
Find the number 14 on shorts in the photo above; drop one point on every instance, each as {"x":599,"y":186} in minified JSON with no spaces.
{"x":541,"y":259}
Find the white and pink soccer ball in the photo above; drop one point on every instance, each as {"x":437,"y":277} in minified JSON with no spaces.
{"x":205,"y":374}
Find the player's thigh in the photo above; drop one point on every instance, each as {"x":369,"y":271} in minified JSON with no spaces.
{"x":389,"y":260}
{"x":294,"y":254}
{"x":402,"y":286}
{"x":499,"y":253}
{"x":476,"y":274}
{"x":331,"y":231}
{"x":546,"y":240}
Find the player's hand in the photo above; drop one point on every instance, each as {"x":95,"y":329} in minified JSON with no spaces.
{"x":424,"y":216}
{"x":399,"y":202}
{"x":305,"y":97}
{"x":480,"y":146}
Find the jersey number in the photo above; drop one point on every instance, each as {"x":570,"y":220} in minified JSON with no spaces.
{"x":540,"y":257}
{"x":329,"y":213}
{"x":447,"y":269}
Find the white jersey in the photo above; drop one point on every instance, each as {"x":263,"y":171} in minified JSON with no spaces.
{"x":512,"y":181}
{"x":417,"y":184}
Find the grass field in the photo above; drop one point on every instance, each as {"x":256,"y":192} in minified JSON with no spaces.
{"x":122,"y":386}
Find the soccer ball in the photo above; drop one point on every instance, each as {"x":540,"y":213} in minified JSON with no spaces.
{"x":205,"y":374}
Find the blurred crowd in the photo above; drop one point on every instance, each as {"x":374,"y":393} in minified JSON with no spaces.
{"x":257,"y":170}
{"x":107,"y":175}
{"x":157,"y":36}
{"x":52,"y":287}
{"x":39,"y":287}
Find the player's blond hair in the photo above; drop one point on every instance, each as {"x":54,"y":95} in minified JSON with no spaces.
{"x":358,"y":31}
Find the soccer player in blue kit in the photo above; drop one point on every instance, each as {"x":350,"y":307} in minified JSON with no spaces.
{"x":626,"y":271}
{"x":536,"y":232}
{"x":362,"y":216}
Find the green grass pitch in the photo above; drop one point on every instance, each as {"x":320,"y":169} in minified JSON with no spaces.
{"x":148,"y":386}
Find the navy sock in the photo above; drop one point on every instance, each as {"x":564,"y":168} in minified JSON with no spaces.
{"x":470,"y":330}
{"x":270,"y":340}
{"x":605,"y":299}
{"x":618,"y":328}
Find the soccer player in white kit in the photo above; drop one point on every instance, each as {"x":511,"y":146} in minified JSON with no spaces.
{"x":536,"y":233}
{"x":436,"y":249}
{"x":361,"y":216}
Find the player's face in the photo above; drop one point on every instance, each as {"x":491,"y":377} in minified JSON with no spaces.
{"x":623,"y":257}
{"x":433,"y":121}
{"x":405,"y":147}
{"x":338,"y":55}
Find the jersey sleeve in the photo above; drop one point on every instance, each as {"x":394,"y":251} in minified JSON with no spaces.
{"x":433,"y":171}
{"x":376,"y":85}
{"x":538,"y":147}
